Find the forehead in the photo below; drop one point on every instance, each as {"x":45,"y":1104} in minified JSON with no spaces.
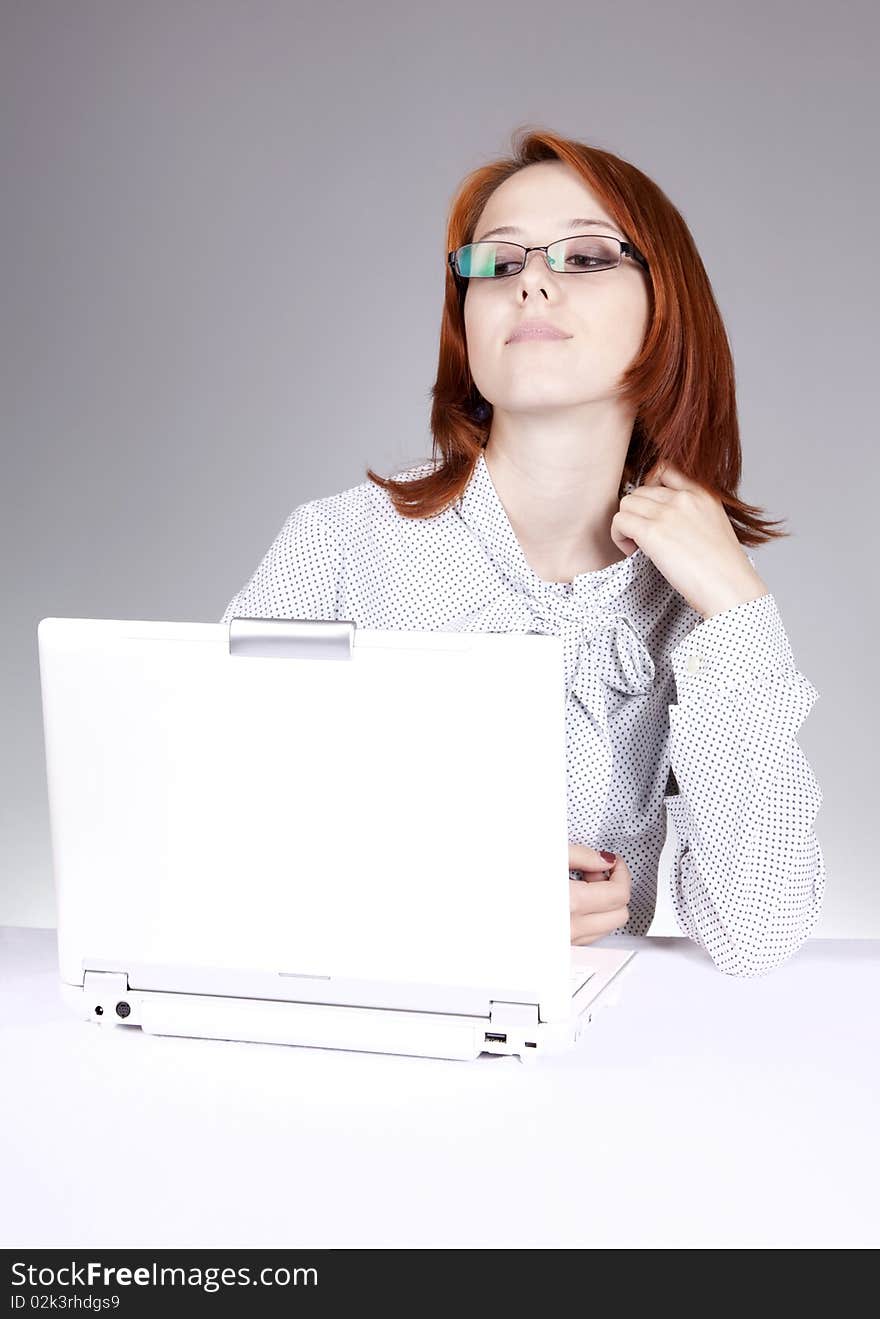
{"x":547,"y":199}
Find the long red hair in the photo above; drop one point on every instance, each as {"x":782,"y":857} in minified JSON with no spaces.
{"x":682,"y":382}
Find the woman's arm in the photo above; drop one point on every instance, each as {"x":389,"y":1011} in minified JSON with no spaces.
{"x":749,"y":873}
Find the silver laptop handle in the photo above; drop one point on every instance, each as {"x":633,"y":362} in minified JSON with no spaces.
{"x":298,"y":638}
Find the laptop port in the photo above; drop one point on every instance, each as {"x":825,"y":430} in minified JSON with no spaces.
{"x":497,"y":1039}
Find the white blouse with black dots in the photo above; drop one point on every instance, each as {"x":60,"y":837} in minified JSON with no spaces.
{"x":664,"y":709}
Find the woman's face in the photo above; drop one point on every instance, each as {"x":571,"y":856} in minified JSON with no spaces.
{"x":605,"y":312}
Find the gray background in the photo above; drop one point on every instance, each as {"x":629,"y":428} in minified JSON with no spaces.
{"x":189,"y":349}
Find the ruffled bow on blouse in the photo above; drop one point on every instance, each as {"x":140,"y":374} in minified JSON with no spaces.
{"x":601,"y":646}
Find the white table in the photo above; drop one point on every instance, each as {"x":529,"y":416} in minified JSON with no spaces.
{"x":703,"y":1110}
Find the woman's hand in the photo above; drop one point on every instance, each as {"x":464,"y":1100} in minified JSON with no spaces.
{"x":687,"y":534}
{"x":598,"y":902}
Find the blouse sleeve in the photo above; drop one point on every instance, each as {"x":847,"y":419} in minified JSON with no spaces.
{"x":748,"y":873}
{"x":298,"y":575}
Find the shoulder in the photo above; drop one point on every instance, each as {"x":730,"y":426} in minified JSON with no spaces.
{"x":328,"y":523}
{"x":341,"y":514}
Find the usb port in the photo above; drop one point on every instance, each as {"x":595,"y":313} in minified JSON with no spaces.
{"x":498,"y":1039}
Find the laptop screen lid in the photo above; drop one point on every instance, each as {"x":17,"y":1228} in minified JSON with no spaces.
{"x":233,"y":797}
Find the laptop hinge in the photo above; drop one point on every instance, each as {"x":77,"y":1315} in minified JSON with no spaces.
{"x":503,"y":1014}
{"x":292,"y":638}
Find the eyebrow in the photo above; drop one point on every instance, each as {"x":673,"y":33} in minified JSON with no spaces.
{"x":577,"y":223}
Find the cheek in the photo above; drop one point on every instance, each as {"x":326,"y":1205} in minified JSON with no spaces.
{"x":483,"y":329}
{"x":635,"y":317}
{"x":616,"y":328}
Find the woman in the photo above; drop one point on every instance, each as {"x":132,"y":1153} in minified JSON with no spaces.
{"x":584,"y":483}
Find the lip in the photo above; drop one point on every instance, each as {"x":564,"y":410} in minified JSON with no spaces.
{"x":536,"y":329}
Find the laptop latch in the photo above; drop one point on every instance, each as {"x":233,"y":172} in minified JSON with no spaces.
{"x":503,"y":1015}
{"x":292,"y":638}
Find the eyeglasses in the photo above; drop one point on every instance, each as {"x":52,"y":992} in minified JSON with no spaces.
{"x":569,"y":256}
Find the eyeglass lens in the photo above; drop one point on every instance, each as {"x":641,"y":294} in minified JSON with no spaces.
{"x":488,"y":259}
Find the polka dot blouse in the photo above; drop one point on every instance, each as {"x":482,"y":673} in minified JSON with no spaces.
{"x":665,"y":710}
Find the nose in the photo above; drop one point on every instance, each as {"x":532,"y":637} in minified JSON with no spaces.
{"x":540,"y":267}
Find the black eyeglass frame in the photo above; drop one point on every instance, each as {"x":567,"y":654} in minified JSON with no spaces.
{"x":626,"y":249}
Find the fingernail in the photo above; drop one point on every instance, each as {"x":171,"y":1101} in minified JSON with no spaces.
{"x":608,"y":856}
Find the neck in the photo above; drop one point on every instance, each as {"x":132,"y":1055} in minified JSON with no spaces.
{"x":560,"y":490}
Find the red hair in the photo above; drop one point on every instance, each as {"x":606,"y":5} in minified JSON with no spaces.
{"x":681,"y":383}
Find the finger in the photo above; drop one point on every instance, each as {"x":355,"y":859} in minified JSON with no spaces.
{"x":598,"y":891}
{"x":660,"y":494}
{"x":581,"y":857}
{"x":629,"y":523}
{"x":667,"y":474}
{"x":584,"y":929}
{"x":584,"y":899}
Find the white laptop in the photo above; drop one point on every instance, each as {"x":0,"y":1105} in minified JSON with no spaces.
{"x":311,"y":833}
